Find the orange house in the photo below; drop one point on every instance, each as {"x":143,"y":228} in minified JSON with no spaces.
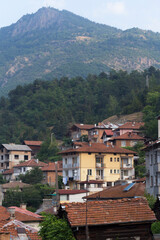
{"x":49,"y":172}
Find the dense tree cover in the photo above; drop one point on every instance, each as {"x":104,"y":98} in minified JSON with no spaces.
{"x":32,"y":196}
{"x":55,"y":228}
{"x":36,"y":110}
{"x":32,"y":177}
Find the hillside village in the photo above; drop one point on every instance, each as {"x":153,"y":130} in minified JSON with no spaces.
{"x":100,"y":195}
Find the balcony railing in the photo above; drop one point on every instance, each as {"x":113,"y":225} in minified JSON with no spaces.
{"x":100,"y":165}
{"x":98,"y":177}
{"x":126,"y":165}
{"x":71,"y":165}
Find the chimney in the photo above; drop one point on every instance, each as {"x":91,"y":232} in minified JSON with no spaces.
{"x":158,"y":126}
{"x":23,"y":206}
{"x":12,"y":213}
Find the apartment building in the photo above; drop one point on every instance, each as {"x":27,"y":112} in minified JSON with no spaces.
{"x":13,"y":154}
{"x":96,"y":161}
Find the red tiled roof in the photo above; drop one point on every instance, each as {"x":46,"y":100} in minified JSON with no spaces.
{"x":24,"y":215}
{"x":109,"y":212}
{"x":138,"y":189}
{"x":74,"y":191}
{"x":8,"y":172}
{"x":140,"y":180}
{"x":109,"y":132}
{"x":15,"y":184}
{"x":33,"y":143}
{"x":51,"y":167}
{"x":84,"y":126}
{"x":13,"y":226}
{"x":31,"y":163}
{"x":98,"y":147}
{"x":127,"y":136}
{"x":132,"y":125}
{"x":4,"y":214}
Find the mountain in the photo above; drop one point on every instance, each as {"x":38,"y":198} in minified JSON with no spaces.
{"x":52,"y":44}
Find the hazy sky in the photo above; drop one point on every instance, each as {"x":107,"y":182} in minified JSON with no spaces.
{"x":123,"y":14}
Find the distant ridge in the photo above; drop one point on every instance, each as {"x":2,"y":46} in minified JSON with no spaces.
{"x":51,"y":44}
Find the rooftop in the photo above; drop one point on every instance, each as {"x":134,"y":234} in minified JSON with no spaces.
{"x":98,"y":147}
{"x":8,"y":172}
{"x":51,"y":167}
{"x":15,"y":184}
{"x":24,"y":215}
{"x":127,"y":136}
{"x":138,"y":189}
{"x":16,"y":147}
{"x":33,"y":143}
{"x":109,"y":212}
{"x":132,"y":125}
{"x":31,"y":163}
{"x":83,"y":126}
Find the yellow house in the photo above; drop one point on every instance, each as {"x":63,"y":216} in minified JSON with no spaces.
{"x":97,"y":162}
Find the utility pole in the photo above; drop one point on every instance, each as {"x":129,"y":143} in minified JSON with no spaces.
{"x":87,"y":231}
{"x":57,"y":193}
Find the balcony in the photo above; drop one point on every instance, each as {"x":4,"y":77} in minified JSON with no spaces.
{"x":126,"y":166}
{"x":100,"y":165}
{"x":98,"y":177}
{"x":71,"y":165}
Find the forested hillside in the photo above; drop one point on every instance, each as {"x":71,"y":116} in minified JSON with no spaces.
{"x":36,"y":110}
{"x":59,"y":43}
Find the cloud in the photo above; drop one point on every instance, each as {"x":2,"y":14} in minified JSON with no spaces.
{"x":60,"y":4}
{"x":117,"y":7}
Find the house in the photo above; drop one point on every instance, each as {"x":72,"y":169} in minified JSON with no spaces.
{"x":13,"y":154}
{"x":132,"y":190}
{"x":91,"y":185}
{"x":14,"y":229}
{"x":107,"y":134}
{"x":128,"y":139}
{"x":110,"y":219}
{"x":25,"y":216}
{"x":34,"y":145}
{"x":78,"y":130}
{"x":8,"y":175}
{"x":16,"y":184}
{"x":49,"y":172}
{"x":74,"y":195}
{"x":25,"y":166}
{"x":98,"y":162}
{"x":129,"y":127}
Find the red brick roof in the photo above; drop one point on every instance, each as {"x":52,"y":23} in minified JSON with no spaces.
{"x":132,"y":125}
{"x":127,"y":136}
{"x":24,"y":215}
{"x":138,"y":189}
{"x":13,"y":226}
{"x":83,"y":126}
{"x":33,"y":143}
{"x":109,"y":132}
{"x":15,"y":184}
{"x":4,"y":214}
{"x":98,"y":147}
{"x":109,"y":212}
{"x":31,"y":163}
{"x":51,"y":167}
{"x":73,"y":191}
{"x":8,"y":172}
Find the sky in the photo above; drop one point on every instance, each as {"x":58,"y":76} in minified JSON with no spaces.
{"x":122,"y":14}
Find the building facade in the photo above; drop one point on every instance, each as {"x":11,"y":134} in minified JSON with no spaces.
{"x":95,"y":161}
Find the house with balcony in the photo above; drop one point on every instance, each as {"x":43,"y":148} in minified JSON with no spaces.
{"x":134,"y":127}
{"x":96,"y":161}
{"x":78,"y":130}
{"x":13,"y":154}
{"x":128,"y":139}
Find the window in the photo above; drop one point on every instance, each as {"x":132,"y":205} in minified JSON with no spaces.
{"x":25,"y":157}
{"x":1,"y":164}
{"x":118,"y":171}
{"x":24,"y":169}
{"x":123,"y":143}
{"x":114,"y":170}
{"x":89,"y":172}
{"x":16,"y":156}
{"x":110,"y":170}
{"x":89,"y":153}
{"x":117,"y":159}
{"x":65,"y":160}
{"x":111,"y":159}
{"x":2,"y":157}
{"x":125,"y":173}
{"x":7,"y":164}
